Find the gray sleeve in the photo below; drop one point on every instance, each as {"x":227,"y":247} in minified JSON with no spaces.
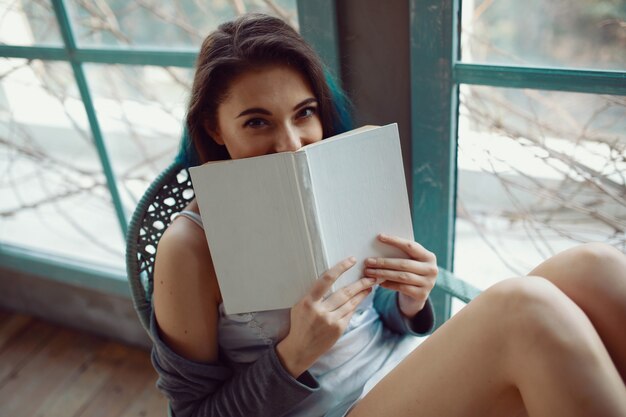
{"x":262,"y":388}
{"x":386,"y":303}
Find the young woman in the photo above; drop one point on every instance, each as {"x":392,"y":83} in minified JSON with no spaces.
{"x":549,"y":344}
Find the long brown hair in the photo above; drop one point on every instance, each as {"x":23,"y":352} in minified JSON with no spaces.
{"x":235,"y":47}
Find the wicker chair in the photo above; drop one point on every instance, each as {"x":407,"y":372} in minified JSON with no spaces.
{"x":170,"y":192}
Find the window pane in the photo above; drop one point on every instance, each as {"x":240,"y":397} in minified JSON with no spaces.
{"x":28,"y":22}
{"x":163,"y":24}
{"x":141,"y":111}
{"x":54,"y":194}
{"x":538,"y":172}
{"x":570,"y":33}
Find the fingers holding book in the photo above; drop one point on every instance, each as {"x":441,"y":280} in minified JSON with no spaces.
{"x":346,"y":299}
{"x":325,"y":282}
{"x":317,"y":322}
{"x":410,"y":247}
{"x":412,"y":278}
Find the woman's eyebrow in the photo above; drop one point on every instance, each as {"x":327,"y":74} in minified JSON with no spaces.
{"x":305,"y":102}
{"x":254,"y":110}
{"x":260,"y":110}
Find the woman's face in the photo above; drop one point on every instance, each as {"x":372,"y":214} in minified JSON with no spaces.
{"x":267,"y":110}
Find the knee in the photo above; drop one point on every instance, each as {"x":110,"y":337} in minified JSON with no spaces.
{"x":599,"y":254}
{"x":535,"y":313}
{"x":597,"y":263}
{"x":526,"y":298}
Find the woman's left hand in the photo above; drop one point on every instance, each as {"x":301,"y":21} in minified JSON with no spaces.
{"x":413,"y":278}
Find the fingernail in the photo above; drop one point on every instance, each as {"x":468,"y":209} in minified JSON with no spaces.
{"x":352,"y":259}
{"x":382,"y":236}
{"x":371,"y":261}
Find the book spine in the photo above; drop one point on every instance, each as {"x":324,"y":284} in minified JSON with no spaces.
{"x":309,"y":208}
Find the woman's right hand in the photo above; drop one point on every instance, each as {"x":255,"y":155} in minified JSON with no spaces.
{"x":317,"y":322}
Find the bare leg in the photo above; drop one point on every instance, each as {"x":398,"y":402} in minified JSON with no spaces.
{"x":594,"y":277}
{"x":522,"y":345}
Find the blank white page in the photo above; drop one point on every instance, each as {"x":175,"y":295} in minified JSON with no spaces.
{"x":256,"y":231}
{"x":360,"y":191}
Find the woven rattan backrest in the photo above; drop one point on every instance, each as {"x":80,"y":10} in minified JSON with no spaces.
{"x":170,"y":192}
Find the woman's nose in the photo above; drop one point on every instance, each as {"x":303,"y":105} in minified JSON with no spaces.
{"x":288,"y":140}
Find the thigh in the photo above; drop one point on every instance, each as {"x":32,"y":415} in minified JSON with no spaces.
{"x":459,"y":370}
{"x":594,"y":277}
{"x":522,"y":344}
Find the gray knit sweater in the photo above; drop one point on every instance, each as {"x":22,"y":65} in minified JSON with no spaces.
{"x":262,"y":388}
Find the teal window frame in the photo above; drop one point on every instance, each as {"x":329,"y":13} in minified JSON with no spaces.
{"x":437,"y":72}
{"x":317,"y":21}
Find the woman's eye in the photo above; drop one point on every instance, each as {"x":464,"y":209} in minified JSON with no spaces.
{"x":255,"y":123}
{"x":307,"y":112}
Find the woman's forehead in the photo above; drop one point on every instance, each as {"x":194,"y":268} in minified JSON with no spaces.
{"x":274,"y":84}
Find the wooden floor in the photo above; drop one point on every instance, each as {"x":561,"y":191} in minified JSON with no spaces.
{"x":47,"y":370}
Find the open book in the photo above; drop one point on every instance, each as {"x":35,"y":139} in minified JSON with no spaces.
{"x":277,"y":222}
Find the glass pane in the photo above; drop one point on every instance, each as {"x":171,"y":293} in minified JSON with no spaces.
{"x":141,"y":111}
{"x":538,"y":172}
{"x":54,"y":194}
{"x":28,"y":22}
{"x":570,"y":33}
{"x":163,"y":24}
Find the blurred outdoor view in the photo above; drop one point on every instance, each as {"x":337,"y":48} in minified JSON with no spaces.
{"x":54,"y":193}
{"x":539,"y":171}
